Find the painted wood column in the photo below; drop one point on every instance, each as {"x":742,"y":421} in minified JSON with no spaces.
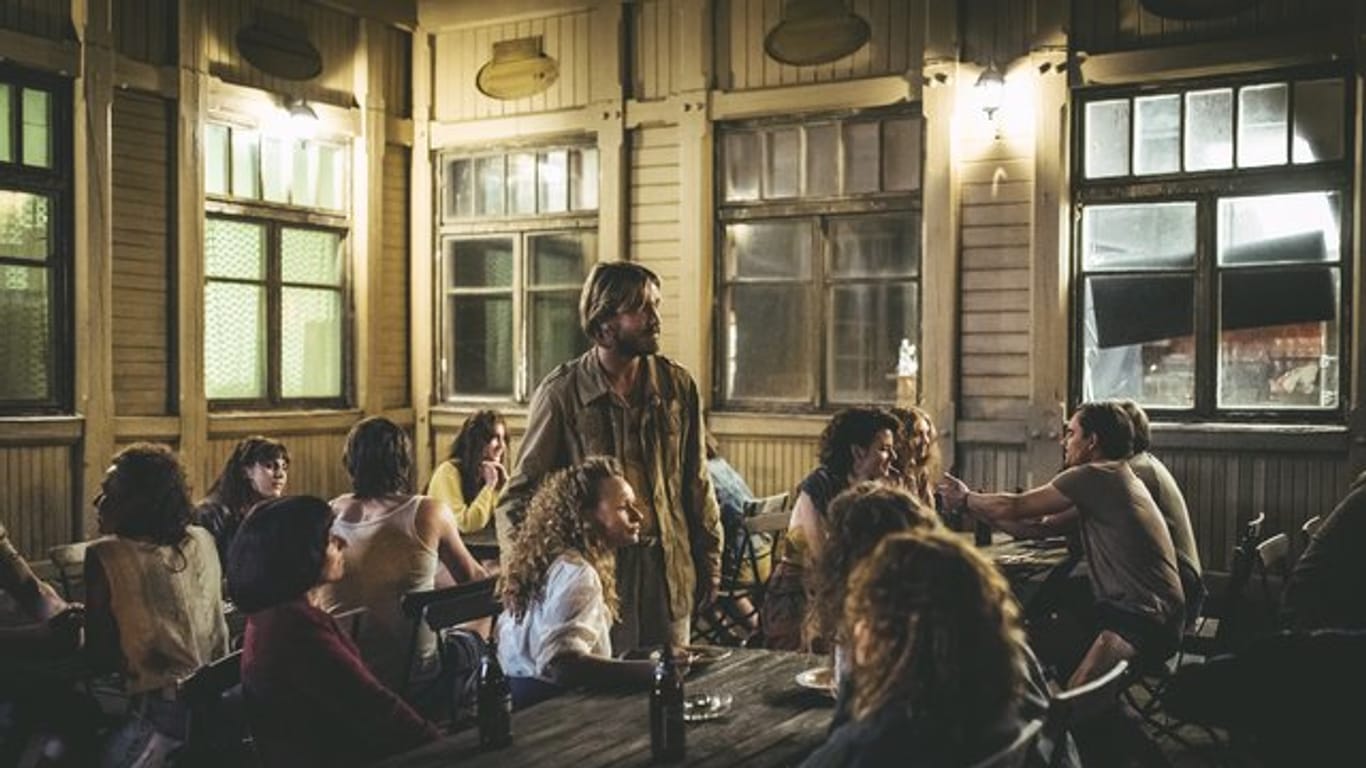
{"x":422,"y":265}
{"x":367,"y":160}
{"x":606,"y":29}
{"x":696,"y":186}
{"x":189,"y":218}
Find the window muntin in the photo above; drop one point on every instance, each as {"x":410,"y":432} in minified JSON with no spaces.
{"x":247,"y":165}
{"x":518,"y":235}
{"x":819,"y":259}
{"x":1221,"y":290}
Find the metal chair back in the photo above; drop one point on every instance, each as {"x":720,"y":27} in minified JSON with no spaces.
{"x":1016,"y":755}
{"x":1080,"y":705}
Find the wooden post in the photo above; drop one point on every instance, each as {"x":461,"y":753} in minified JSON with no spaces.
{"x":421,"y":265}
{"x":189,"y":213}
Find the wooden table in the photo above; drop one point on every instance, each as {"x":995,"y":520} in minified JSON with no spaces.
{"x":1027,"y":558}
{"x":773,"y":722}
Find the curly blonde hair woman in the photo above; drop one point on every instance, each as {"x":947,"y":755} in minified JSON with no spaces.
{"x":918,"y":461}
{"x":559,"y":584}
{"x":937,"y":664}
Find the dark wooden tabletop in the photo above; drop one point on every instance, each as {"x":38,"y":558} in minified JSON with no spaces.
{"x":773,"y":722}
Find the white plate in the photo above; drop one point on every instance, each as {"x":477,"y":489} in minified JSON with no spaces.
{"x":699,"y":707}
{"x":820,"y":679}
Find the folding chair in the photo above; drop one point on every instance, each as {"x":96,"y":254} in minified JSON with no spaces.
{"x":1017,"y":753}
{"x":1273,"y":557}
{"x":351,"y":618}
{"x":1080,"y":705}
{"x":1310,"y":527}
{"x":218,"y":732}
{"x":1223,"y":614}
{"x":443,"y":609}
{"x":743,"y":570}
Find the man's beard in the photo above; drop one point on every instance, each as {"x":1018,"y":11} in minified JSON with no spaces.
{"x":638,"y":345}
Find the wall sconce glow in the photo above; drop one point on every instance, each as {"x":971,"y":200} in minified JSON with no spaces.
{"x":303,"y":119}
{"x":990,"y":88}
{"x":519,"y":68}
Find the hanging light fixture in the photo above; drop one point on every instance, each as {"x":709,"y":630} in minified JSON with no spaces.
{"x":816,"y":32}
{"x":991,"y":86}
{"x":519,"y":68}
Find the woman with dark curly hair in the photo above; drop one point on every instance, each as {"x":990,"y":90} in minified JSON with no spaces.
{"x":257,"y":470}
{"x":310,"y":699}
{"x":154,"y":600}
{"x":937,"y":672}
{"x":394,"y":540}
{"x":474,"y":476}
{"x":559,"y":584}
{"x":857,"y":445}
{"x":918,"y":465}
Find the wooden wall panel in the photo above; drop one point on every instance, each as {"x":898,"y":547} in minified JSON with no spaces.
{"x":653,"y":44}
{"x":334,"y":33}
{"x":392,"y":346}
{"x":49,"y":19}
{"x":1112,"y":25}
{"x":36,"y":497}
{"x":991,"y":467}
{"x":654,"y":226}
{"x":145,"y":30}
{"x":770,"y":464}
{"x":141,"y":274}
{"x":315,"y":462}
{"x":461,"y":52}
{"x":398,"y":72}
{"x":742,"y":63}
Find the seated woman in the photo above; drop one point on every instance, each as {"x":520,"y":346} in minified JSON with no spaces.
{"x":394,"y":539}
{"x":856,"y":445}
{"x":257,"y":470}
{"x":474,"y":476}
{"x":559,"y":585}
{"x":310,"y":699}
{"x":935,"y":641}
{"x":154,"y":587}
{"x":731,"y":614}
{"x":917,"y":465}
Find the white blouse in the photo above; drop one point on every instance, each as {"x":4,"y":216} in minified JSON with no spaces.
{"x":572,"y":617}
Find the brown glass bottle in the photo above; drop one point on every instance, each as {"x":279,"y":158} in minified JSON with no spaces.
{"x":494,"y":701}
{"x":667,"y":734}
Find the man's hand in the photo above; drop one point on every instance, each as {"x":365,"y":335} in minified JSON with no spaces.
{"x":954,"y":491}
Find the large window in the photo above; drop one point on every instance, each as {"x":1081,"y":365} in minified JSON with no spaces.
{"x":1212,"y":228}
{"x":518,"y":233}
{"x":34,"y":246}
{"x":819,"y":249}
{"x":275,"y":293}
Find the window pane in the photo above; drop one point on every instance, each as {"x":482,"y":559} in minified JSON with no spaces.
{"x":215,"y":159}
{"x":481,"y":344}
{"x":26,"y":344}
{"x":1209,"y":129}
{"x":1151,"y":236}
{"x":1279,"y":229}
{"x":488,"y":173}
{"x":37,"y":128}
{"x":553,"y":181}
{"x":822,"y":160}
{"x":1107,"y":138}
{"x":6,"y":120}
{"x":1262,"y":124}
{"x":1318,"y":121}
{"x":1278,"y":340}
{"x":460,"y":188}
{"x":246,"y":164}
{"x":24,"y":223}
{"x":521,"y":183}
{"x":741,"y":156}
{"x":782,"y":164}
{"x":875,"y":246}
{"x":861,"y":166}
{"x":1139,"y":340}
{"x":310,"y":342}
{"x":554,"y":331}
{"x":769,"y":249}
{"x":901,"y":154}
{"x":278,"y":170}
{"x":584,"y":184}
{"x":234,"y":341}
{"x":310,"y":256}
{"x":1157,"y":129}
{"x":562,"y":258}
{"x":234,"y":249}
{"x":485,"y":263}
{"x":869,"y":322}
{"x":768,"y":332}
{"x":330,"y":177}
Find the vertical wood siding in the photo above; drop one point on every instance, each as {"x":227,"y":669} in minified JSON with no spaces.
{"x":653,"y":232}
{"x":398,"y":72}
{"x":333,"y":33}
{"x":989,"y":468}
{"x":770,"y":465}
{"x":142,"y":153}
{"x":50,"y":19}
{"x":145,"y":29}
{"x":653,"y":41}
{"x":1111,"y":25}
{"x":393,"y":341}
{"x":315,"y":462}
{"x":460,"y":53}
{"x":742,"y":63}
{"x":36,"y":488}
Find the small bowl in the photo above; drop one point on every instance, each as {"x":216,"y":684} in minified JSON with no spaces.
{"x":700,"y":707}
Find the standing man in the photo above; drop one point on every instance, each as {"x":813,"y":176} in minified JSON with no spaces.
{"x":622,"y":399}
{"x":1139,"y":607}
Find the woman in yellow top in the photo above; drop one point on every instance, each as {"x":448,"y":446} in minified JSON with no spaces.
{"x":471,"y":480}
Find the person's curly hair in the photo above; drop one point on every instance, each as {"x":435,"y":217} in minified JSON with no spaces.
{"x":467,"y":450}
{"x":147,"y":483}
{"x":559,"y":520}
{"x":944,"y":635}
{"x":857,"y":521}
{"x":378,"y":456}
{"x":231,"y":488}
{"x":919,"y":465}
{"x":848,"y":428}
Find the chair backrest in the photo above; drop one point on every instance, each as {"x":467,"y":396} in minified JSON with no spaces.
{"x":1077,"y":706}
{"x":1017,"y":753}
{"x":1274,"y":554}
{"x":1311,"y":526}
{"x":217,"y":715}
{"x":351,"y":619}
{"x":69,"y":561}
{"x":460,"y":604}
{"x":1252,"y":531}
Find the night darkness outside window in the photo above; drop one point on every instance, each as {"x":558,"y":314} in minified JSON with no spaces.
{"x":819,"y":273}
{"x":1210,"y":237}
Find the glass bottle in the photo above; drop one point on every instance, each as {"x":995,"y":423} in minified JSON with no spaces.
{"x":494,"y":701}
{"x":667,"y":743}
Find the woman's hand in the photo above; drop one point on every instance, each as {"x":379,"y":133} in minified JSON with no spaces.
{"x":493,"y":474}
{"x":954,"y":491}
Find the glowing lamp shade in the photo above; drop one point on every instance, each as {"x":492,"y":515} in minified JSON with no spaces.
{"x":519,"y":68}
{"x":816,"y":32}
{"x":991,"y":86}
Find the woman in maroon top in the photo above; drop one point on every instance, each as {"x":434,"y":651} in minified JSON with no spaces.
{"x":310,"y":699}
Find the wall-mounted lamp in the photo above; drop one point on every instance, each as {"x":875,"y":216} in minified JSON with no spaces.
{"x":303,"y":119}
{"x":991,"y":86}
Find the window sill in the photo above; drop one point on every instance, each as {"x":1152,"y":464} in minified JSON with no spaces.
{"x":1315,"y":438}
{"x":284,"y":422}
{"x":41,"y":430}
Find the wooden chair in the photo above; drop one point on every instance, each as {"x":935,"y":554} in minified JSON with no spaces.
{"x":1016,"y":755}
{"x":69,"y":562}
{"x":742,"y":574}
{"x":1273,"y":558}
{"x":351,"y":619}
{"x":442,"y":609}
{"x":1310,"y":527}
{"x":218,"y":727}
{"x":1080,"y":705}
